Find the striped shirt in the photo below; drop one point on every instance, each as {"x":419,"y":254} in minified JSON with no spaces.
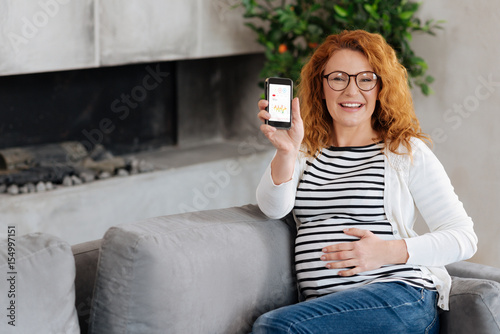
{"x":343,"y":188}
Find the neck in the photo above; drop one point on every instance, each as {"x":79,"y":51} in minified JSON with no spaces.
{"x":345,"y":137}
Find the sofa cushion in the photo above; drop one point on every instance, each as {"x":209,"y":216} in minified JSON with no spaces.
{"x":38,"y":286}
{"x":474,"y":307}
{"x":204,"y":272}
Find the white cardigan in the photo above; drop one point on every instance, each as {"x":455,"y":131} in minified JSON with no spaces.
{"x":410,"y":184}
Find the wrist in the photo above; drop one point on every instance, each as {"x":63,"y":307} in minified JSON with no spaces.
{"x":286,"y":154}
{"x":398,"y":252}
{"x":282,"y":166}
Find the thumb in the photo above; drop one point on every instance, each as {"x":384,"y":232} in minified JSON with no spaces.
{"x":296,"y":109}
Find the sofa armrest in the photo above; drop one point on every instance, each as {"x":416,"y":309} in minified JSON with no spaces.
{"x":474,"y":300}
{"x":466,"y":269}
{"x":86,"y":257}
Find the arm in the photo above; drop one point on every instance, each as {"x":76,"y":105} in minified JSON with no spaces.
{"x":276,"y":191}
{"x":451,"y":236}
{"x":276,"y":201}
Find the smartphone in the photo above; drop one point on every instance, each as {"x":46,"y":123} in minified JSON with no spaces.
{"x":279,"y":94}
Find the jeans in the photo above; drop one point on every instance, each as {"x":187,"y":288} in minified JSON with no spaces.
{"x":389,"y":307}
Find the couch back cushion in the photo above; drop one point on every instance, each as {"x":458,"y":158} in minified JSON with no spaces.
{"x":37,"y":285}
{"x":204,"y":272}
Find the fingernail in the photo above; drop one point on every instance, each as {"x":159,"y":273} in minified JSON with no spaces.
{"x":323,"y":258}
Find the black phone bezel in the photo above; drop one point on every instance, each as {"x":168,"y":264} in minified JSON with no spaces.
{"x":280,"y":81}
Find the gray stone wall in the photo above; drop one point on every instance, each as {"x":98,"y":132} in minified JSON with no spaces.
{"x":53,"y":35}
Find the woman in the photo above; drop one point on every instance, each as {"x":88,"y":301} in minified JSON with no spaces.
{"x":354,"y":169}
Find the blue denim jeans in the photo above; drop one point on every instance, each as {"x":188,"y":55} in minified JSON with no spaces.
{"x":390,"y":307}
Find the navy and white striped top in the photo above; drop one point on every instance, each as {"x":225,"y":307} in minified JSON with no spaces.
{"x":343,"y":188}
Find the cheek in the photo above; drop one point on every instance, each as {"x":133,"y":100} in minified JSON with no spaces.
{"x":330,"y":95}
{"x":330,"y":102}
{"x":372,"y":98}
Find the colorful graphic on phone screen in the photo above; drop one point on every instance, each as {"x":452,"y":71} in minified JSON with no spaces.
{"x":279,"y":103}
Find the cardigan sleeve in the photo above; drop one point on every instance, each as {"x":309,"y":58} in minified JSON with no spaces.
{"x":451,"y":236}
{"x":276,"y":201}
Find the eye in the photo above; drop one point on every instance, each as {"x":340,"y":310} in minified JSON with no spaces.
{"x":367,"y":77}
{"x":338,"y":77}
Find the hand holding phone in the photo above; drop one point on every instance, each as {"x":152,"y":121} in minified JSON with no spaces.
{"x":279,"y":94}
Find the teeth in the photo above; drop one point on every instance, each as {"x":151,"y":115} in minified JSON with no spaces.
{"x":351,"y":105}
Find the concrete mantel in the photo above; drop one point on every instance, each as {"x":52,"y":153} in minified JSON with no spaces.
{"x":54,"y":35}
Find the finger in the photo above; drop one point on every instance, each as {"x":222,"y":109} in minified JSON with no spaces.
{"x":264,"y":115}
{"x":357,"y":232}
{"x":345,"y":246}
{"x":267,"y":130}
{"x":263,"y":104}
{"x":350,"y":272}
{"x":337,"y":256}
{"x":348,"y":264}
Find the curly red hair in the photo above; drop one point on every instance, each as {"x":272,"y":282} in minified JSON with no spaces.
{"x":394,"y":117}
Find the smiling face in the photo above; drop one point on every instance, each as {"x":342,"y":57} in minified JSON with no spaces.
{"x":351,"y":109}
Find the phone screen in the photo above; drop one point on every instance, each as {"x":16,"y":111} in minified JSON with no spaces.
{"x":279,"y":102}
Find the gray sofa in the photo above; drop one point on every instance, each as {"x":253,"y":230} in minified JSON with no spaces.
{"x":203,"y":272}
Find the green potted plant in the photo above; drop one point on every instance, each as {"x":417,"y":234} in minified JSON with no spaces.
{"x":291,"y":30}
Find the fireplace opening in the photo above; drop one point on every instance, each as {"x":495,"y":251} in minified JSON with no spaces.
{"x":76,"y":126}
{"x":124,"y":108}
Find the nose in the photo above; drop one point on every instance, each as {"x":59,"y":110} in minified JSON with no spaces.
{"x":352,"y":88}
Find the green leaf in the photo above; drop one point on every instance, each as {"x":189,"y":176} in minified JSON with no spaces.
{"x":340,"y":11}
{"x":372,"y":11}
{"x":408,"y":36}
{"x":406,"y":15}
{"x":425,"y":89}
{"x":419,"y":61}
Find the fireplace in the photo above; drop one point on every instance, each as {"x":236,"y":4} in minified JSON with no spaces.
{"x":58,"y":127}
{"x":191,"y":124}
{"x":67,"y":118}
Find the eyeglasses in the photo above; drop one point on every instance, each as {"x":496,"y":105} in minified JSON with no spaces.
{"x":339,"y":80}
